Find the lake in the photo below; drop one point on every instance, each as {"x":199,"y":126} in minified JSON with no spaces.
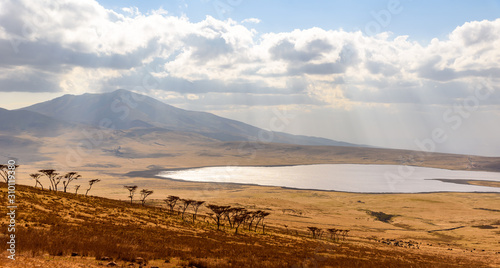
{"x":343,"y":177}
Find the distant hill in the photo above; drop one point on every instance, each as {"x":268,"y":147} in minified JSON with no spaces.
{"x":122,"y":109}
{"x":18,"y":121}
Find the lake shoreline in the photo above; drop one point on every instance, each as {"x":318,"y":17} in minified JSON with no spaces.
{"x":155,"y":173}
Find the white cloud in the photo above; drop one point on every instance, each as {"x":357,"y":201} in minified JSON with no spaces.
{"x":81,"y":36}
{"x":77,"y":46}
{"x":134,"y":11}
{"x":251,"y":20}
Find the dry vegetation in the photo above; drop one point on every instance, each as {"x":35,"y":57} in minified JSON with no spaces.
{"x":52,"y":226}
{"x":386,"y":230}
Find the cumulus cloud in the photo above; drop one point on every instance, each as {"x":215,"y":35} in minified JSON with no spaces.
{"x":206,"y":49}
{"x":29,"y":80}
{"x":385,"y":84}
{"x":251,"y":20}
{"x":59,"y":43}
{"x":286,"y":50}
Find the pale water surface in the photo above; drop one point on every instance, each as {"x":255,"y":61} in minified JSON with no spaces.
{"x":343,"y":177}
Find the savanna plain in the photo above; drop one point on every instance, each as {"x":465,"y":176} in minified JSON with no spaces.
{"x":301,"y":228}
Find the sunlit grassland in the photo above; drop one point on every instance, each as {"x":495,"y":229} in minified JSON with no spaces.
{"x":55,"y":225}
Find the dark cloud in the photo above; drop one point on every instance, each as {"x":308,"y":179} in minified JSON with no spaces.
{"x":430,"y":71}
{"x":47,"y":62}
{"x":348,"y":56}
{"x":320,"y":68}
{"x":380,"y":68}
{"x":285,"y":50}
{"x":46,"y":55}
{"x":488,"y":72}
{"x":206,"y":49}
{"x":12,"y":21}
{"x":143,"y":78}
{"x":30,"y":81}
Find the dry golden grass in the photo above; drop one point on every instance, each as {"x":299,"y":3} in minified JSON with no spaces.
{"x":52,"y":226}
{"x":59,"y":224}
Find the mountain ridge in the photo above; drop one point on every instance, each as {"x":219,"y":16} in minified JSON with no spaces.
{"x":15,"y":121}
{"x":122,"y":109}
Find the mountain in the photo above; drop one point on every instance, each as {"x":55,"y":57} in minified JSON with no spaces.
{"x":122,"y":110}
{"x":19,"y":131}
{"x":18,"y":121}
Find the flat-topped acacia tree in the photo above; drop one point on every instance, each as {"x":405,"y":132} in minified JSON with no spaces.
{"x":57,"y":180}
{"x":196,"y":205}
{"x":91,"y":182}
{"x":171,"y":200}
{"x":54,"y":179}
{"x":261,"y":215}
{"x":219,"y":212}
{"x":315,"y":231}
{"x":144,"y":194}
{"x":131,"y":189}
{"x":252,"y":215}
{"x":239,"y":216}
{"x":4,"y":172}
{"x":70,"y":176}
{"x":185,"y":204}
{"x":231,"y":214}
{"x":36,"y":177}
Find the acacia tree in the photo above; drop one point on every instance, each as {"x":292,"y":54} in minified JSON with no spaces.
{"x":219,"y":212}
{"x":196,"y":205}
{"x":144,"y":194}
{"x":239,"y":216}
{"x":91,"y":182}
{"x":344,"y":234}
{"x":228,"y":214}
{"x":252,"y":215}
{"x":131,"y":189}
{"x":70,"y":176}
{"x":185,"y":204}
{"x":53,"y":178}
{"x":171,"y":200}
{"x":333,"y":233}
{"x":57,"y":180}
{"x":36,"y":177}
{"x":315,"y":231}
{"x":4,"y":172}
{"x":261,"y":216}
{"x":231,"y":214}
{"x":76,"y":188}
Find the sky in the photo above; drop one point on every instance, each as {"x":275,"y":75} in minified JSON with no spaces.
{"x":420,"y":75}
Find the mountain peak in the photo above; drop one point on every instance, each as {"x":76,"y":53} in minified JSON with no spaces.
{"x":121,"y":91}
{"x":124,"y":109}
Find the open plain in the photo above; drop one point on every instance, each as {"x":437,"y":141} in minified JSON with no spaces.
{"x":420,"y":230}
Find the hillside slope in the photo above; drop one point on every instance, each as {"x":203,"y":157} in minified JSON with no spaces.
{"x":98,"y":230}
{"x":23,"y":121}
{"x":122,"y":109}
